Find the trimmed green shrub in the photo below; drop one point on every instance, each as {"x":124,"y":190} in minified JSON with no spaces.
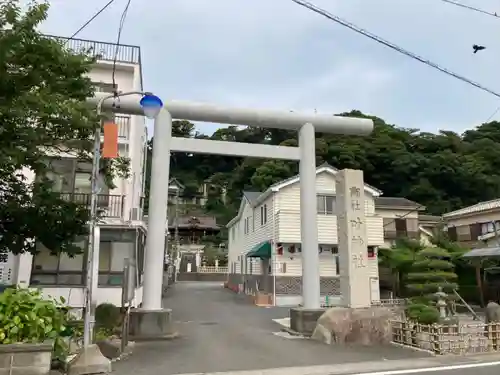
{"x":107,"y":317}
{"x":422,"y":313}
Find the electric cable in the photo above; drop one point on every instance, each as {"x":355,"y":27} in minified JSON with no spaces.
{"x":493,"y":114}
{"x":324,"y":13}
{"x":469,"y":7}
{"x":90,"y":20}
{"x":117,"y":46}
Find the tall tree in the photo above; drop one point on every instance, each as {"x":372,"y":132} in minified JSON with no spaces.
{"x":43,"y":88}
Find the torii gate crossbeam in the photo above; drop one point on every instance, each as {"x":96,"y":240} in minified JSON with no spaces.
{"x":164,"y":144}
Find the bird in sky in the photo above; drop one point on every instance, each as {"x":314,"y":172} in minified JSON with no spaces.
{"x":476,"y":48}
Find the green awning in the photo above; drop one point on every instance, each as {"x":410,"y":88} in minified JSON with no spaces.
{"x":262,"y":250}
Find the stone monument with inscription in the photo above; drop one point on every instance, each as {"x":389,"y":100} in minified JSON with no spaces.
{"x":352,"y":239}
{"x":355,"y":321}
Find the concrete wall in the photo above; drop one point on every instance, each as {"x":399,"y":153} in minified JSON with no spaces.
{"x":25,"y":359}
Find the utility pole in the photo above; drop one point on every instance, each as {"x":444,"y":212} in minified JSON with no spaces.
{"x":151,"y":109}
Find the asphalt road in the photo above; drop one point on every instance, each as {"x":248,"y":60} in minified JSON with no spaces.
{"x":221,"y":331}
{"x":467,"y":371}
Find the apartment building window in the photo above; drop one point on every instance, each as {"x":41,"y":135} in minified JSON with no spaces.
{"x":70,"y":271}
{"x":489,"y":227}
{"x":263,"y":215}
{"x":401,"y":229}
{"x":105,"y":87}
{"x":326,"y":204}
{"x":247,"y":225}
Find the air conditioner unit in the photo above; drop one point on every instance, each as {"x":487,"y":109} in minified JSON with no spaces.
{"x":136,"y":213}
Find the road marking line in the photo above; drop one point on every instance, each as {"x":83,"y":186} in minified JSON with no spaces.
{"x":334,"y":369}
{"x":433,"y":369}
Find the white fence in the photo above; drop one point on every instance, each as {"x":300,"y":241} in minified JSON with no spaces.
{"x":212,"y":269}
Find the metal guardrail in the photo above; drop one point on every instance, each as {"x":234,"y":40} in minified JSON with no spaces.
{"x":102,"y":50}
{"x":109,"y":205}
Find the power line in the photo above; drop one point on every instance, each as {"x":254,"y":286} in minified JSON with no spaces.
{"x":90,"y":20}
{"x":493,"y":114}
{"x":391,"y":45}
{"x":456,"y":3}
{"x":117,"y":46}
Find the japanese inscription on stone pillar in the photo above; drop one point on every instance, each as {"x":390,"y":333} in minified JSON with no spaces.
{"x":352,"y":239}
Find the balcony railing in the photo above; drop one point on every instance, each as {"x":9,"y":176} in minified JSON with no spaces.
{"x":395,"y":234}
{"x":108,"y":205}
{"x":102,"y":50}
{"x":123,"y":123}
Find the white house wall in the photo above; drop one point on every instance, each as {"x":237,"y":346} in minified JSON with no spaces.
{"x":479,"y":217}
{"x":291,"y":265}
{"x":288,"y":198}
{"x":288,"y":215}
{"x":289,"y":228}
{"x":242,"y":240}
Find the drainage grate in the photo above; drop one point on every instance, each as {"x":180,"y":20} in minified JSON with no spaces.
{"x":208,"y":323}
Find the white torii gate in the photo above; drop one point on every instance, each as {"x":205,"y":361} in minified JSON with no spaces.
{"x":305,"y":153}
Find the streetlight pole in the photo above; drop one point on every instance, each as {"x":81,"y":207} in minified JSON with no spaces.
{"x":92,"y":269}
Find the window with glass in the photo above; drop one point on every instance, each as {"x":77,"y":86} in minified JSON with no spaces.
{"x":489,"y":227}
{"x":70,"y":271}
{"x":326,"y":204}
{"x":263,"y":215}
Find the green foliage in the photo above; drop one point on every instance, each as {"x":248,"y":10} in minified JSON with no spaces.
{"x":43,"y":84}
{"x":399,"y":260}
{"x":431,"y":270}
{"x":440,"y":171}
{"x":26,"y":317}
{"x":212,"y":253}
{"x":107,"y":317}
{"x":422,"y":313}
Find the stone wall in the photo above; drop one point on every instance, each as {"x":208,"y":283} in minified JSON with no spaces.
{"x":25,"y":359}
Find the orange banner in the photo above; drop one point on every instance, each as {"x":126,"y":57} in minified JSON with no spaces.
{"x":110,"y":145}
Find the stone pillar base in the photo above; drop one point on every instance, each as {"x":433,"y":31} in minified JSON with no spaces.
{"x":304,"y":320}
{"x":150,"y":325}
{"x":89,"y":361}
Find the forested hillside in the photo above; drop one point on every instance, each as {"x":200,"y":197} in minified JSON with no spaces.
{"x":442,"y":171}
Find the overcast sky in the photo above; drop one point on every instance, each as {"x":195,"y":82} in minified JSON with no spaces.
{"x":276,"y":54}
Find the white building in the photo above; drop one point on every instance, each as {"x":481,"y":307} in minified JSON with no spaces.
{"x":264,"y":238}
{"x":123,"y":230}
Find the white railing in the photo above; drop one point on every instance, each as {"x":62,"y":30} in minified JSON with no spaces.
{"x":212,"y":269}
{"x":390,"y":302}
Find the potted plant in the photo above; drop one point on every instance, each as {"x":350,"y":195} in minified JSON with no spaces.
{"x":33,"y":327}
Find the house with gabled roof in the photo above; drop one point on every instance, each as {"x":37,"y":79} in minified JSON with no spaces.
{"x":264,"y":247}
{"x":475,"y":225}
